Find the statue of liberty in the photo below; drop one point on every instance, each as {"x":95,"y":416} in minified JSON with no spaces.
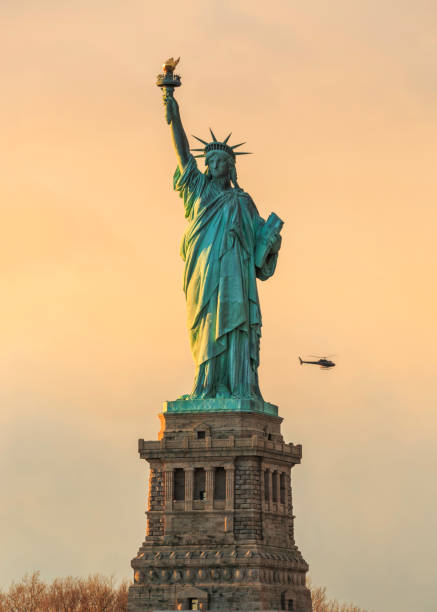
{"x":226,"y":247}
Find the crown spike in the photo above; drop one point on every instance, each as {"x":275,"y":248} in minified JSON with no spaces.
{"x":217,"y":145}
{"x":243,"y":153}
{"x":199,"y":139}
{"x":196,"y":156}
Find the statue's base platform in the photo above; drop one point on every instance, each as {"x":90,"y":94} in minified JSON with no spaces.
{"x":220,"y":522}
{"x":220,"y":404}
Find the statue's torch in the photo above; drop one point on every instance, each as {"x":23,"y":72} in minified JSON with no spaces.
{"x":168,"y":81}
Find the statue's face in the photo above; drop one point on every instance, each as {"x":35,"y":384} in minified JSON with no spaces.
{"x":218,"y":164}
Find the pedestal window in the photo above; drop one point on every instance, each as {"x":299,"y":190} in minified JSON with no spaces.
{"x":220,"y":483}
{"x":282,"y":487}
{"x":179,"y":484}
{"x":266,"y":485}
{"x":275,"y":486}
{"x":199,"y":484}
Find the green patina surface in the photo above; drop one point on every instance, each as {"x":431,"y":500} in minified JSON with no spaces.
{"x":227,"y":246}
{"x":220,"y":404}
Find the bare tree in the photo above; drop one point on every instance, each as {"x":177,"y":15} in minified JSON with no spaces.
{"x":93,"y":594}
{"x":3,"y":602}
{"x":64,"y":595}
{"x":322,"y":604}
{"x":97,"y":592}
{"x":29,"y":595}
{"x":121,"y":597}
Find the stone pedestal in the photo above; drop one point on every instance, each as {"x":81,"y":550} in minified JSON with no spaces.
{"x":219,"y":519}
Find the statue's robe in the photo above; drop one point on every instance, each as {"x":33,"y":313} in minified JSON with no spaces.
{"x":224,"y":316}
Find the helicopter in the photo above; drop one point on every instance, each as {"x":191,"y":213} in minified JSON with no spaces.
{"x":323,"y":362}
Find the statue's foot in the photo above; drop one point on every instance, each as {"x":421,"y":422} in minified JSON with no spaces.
{"x":248,"y":396}
{"x":199,"y":396}
{"x":222,"y":391}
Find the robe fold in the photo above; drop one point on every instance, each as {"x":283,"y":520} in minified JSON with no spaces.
{"x":223,"y":311}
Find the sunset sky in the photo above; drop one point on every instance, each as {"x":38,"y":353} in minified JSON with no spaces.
{"x":338,"y":102}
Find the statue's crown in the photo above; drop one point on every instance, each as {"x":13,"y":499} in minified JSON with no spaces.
{"x":216,"y":145}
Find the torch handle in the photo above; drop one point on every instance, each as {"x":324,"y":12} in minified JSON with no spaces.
{"x":169,"y":91}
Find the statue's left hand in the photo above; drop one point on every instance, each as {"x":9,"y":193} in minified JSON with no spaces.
{"x":276,"y":244}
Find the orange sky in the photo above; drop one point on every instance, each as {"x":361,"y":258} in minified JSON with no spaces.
{"x":338,"y":102}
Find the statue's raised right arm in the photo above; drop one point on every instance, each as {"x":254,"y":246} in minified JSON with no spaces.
{"x":180,"y":140}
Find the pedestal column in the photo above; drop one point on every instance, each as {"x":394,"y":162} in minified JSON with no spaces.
{"x":168,"y":489}
{"x":263,"y":489}
{"x":189,"y":477}
{"x":283,"y":478}
{"x":230,"y":479}
{"x":209,"y":486}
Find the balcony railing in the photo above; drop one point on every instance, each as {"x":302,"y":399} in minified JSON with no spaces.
{"x":255,"y":441}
